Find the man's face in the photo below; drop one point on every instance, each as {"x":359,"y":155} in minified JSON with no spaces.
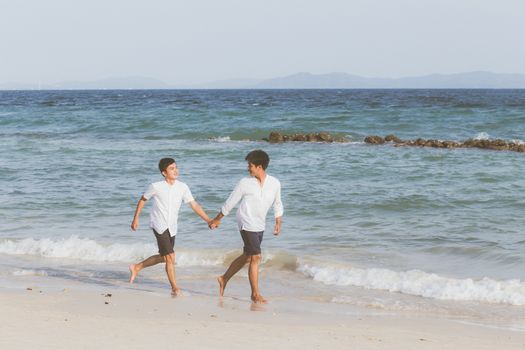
{"x":254,"y":169}
{"x":171,"y":172}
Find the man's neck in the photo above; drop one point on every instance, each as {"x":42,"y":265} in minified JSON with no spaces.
{"x":170,"y":181}
{"x":261,"y":177}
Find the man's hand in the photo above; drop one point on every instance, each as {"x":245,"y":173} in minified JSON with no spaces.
{"x":277,"y":228}
{"x":213,"y":224}
{"x":135,"y":224}
{"x":216,"y":222}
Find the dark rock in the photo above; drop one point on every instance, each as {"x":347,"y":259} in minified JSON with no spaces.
{"x":450,"y":144}
{"x":392,"y":138}
{"x":311,"y":137}
{"x":375,"y":140}
{"x":325,"y":137}
{"x":468,"y":143}
{"x":299,"y":137}
{"x":420,"y":142}
{"x":276,"y":137}
{"x":341,"y":139}
{"x":498,"y":144}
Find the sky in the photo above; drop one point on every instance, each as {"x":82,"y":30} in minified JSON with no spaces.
{"x":199,"y":41}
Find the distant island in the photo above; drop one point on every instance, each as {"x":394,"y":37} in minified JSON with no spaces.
{"x":469,"y":80}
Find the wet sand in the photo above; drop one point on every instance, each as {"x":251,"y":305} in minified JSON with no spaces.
{"x":134,"y":319}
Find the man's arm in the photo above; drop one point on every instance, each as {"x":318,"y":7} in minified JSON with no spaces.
{"x":278,"y":211}
{"x":230,"y":203}
{"x":199,"y":211}
{"x":277,"y":228}
{"x":140,"y":205}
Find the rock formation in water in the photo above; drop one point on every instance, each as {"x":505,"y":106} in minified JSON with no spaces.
{"x":498,"y":144}
{"x":277,"y":137}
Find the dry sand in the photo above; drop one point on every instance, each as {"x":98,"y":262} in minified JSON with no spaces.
{"x":130,"y":319}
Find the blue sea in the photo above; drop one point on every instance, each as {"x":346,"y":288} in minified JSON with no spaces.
{"x":374,"y":226}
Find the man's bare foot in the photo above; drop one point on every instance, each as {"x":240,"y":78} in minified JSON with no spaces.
{"x":176,"y":292}
{"x":258,"y":299}
{"x":222,"y":285}
{"x":133,"y":273}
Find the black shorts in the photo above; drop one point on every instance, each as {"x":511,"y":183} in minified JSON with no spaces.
{"x":165,"y":242}
{"x":252,"y":242}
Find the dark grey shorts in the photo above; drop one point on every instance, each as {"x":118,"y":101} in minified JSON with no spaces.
{"x":165,"y":242}
{"x":252,"y":242}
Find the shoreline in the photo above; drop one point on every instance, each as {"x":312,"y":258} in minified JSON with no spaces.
{"x":116,"y":317}
{"x":292,"y":290}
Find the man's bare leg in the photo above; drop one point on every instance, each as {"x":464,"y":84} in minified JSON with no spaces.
{"x":253,"y":274}
{"x":170,"y":271}
{"x":135,"y":268}
{"x":235,"y":266}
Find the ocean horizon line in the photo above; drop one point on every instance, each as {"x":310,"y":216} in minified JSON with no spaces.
{"x":301,"y":80}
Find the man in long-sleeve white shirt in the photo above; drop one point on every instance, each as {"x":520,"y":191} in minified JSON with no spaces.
{"x":257,"y":194}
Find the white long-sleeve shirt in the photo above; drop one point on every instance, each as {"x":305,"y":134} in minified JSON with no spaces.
{"x":256,"y":201}
{"x":166,"y":204}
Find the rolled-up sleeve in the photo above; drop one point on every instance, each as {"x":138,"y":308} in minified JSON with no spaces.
{"x":278,"y":209}
{"x":233,"y":199}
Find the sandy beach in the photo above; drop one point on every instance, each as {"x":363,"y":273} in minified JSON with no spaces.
{"x":129,"y":319}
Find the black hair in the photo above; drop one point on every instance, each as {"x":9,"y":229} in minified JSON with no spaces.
{"x":258,"y":157}
{"x":164,"y":163}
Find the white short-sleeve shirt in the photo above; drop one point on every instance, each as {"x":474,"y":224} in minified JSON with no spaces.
{"x":256,"y":200}
{"x":167,"y":200}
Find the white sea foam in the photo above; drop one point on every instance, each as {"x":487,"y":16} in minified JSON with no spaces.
{"x":220,"y":139}
{"x":352,"y":143}
{"x":413,"y":282}
{"x":421,"y":283}
{"x":90,"y":250}
{"x":223,"y":139}
{"x":29,"y":273}
{"x":485,"y":136}
{"x":75,"y":248}
{"x":482,"y":136}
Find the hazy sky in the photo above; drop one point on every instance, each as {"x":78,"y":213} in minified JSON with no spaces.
{"x":195,"y":41}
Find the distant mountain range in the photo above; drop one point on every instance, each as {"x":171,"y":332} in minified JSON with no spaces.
{"x":470,"y":80}
{"x":435,"y":81}
{"x":108,"y":83}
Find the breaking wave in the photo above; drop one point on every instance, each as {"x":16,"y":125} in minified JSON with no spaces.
{"x":88,"y":249}
{"x":420,"y":283}
{"x":412,"y":282}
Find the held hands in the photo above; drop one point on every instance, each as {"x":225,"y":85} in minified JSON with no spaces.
{"x":216,"y":222}
{"x":213,"y":224}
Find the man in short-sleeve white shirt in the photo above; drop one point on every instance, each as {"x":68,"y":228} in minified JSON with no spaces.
{"x":167,"y":196}
{"x":256,"y":194}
